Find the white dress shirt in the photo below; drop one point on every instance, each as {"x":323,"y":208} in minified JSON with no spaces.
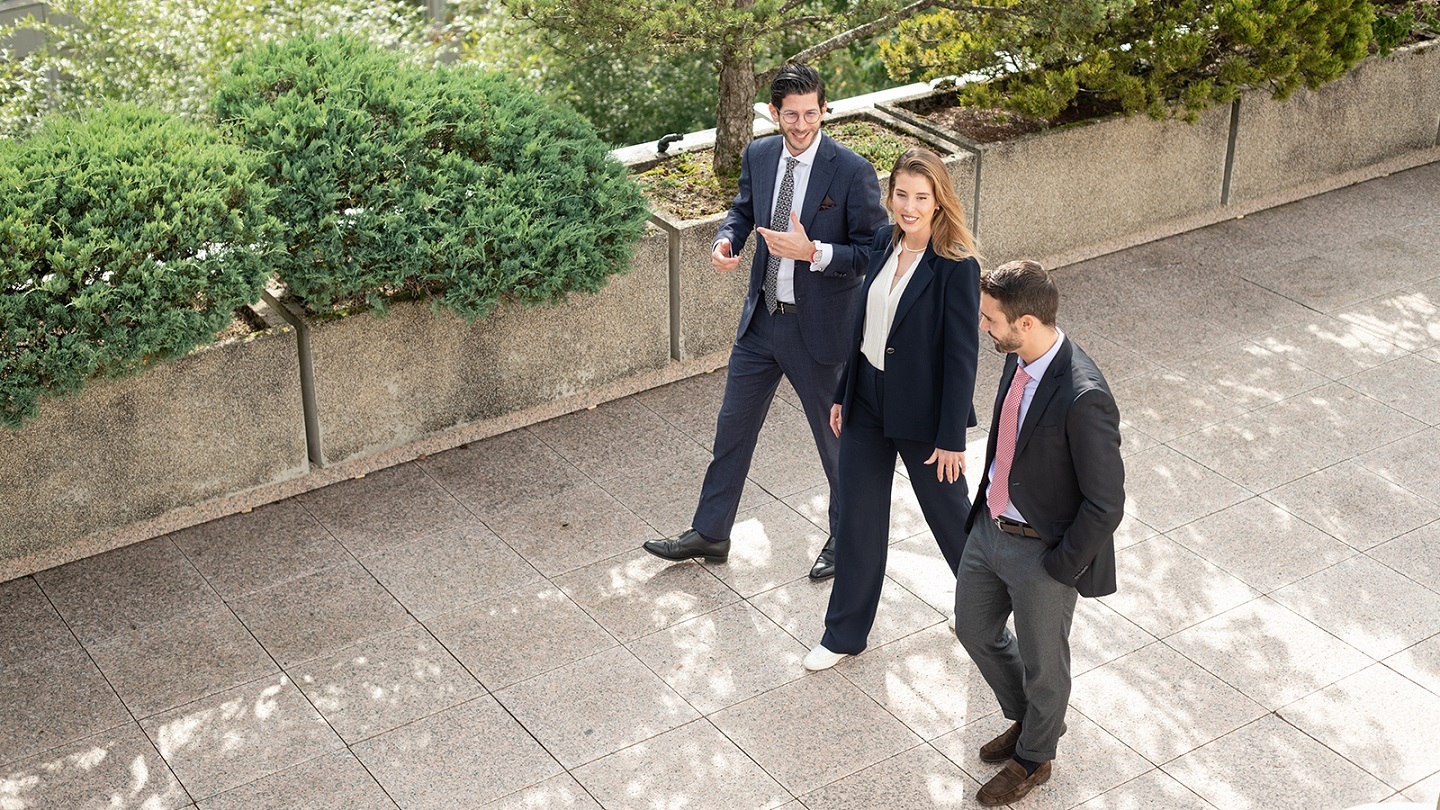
{"x":1036,"y":370}
{"x":880,"y":305}
{"x":785,"y":286}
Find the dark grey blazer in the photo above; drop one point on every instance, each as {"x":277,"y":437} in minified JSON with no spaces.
{"x":1067,"y":478}
{"x":842,"y":208}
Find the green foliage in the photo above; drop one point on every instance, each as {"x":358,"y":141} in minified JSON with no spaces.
{"x":877,"y":144}
{"x":394,"y":180}
{"x":634,"y":92}
{"x":1399,"y":21}
{"x":169,"y":53}
{"x":125,"y":237}
{"x":686,"y":186}
{"x":633,"y":99}
{"x":737,"y":35}
{"x":761,"y":28}
{"x":1160,"y":57}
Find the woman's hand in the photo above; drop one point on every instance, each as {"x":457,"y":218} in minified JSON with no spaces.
{"x":949,"y":465}
{"x":835,"y":419}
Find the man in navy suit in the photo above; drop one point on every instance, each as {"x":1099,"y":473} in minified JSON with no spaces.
{"x":1042,"y":530}
{"x":816,"y":206}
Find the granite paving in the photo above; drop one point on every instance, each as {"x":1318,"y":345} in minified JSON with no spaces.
{"x":479,"y":629}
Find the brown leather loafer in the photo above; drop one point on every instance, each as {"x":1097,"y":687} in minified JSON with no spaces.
{"x":1003,"y":747}
{"x":1011,"y":784}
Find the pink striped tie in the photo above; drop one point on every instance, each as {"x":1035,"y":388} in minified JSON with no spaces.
{"x":999,"y":494}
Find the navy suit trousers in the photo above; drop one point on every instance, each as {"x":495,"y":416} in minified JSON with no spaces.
{"x":867,"y":476}
{"x":772,"y":346}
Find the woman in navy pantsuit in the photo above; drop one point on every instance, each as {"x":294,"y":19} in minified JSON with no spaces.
{"x":908,"y":388}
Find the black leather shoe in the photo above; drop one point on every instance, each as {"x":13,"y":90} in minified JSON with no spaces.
{"x":824,"y":566}
{"x":688,"y":545}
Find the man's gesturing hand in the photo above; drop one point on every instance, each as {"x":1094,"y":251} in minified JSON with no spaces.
{"x":791,"y":244}
{"x":721,"y":259}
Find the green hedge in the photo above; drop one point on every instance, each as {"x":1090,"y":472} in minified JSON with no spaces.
{"x":394,"y":181}
{"x":125,"y":236}
{"x":1159,"y":57}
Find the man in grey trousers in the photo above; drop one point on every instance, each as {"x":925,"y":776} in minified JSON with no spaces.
{"x":1042,"y":530}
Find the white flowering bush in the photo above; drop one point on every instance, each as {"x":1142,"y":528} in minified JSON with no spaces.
{"x":168,"y":54}
{"x":126,"y":236}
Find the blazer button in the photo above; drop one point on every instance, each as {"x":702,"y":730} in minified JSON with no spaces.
{"x":889,"y":349}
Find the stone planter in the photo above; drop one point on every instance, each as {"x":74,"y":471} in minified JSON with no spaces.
{"x":222,"y":420}
{"x":1386,"y":107}
{"x":380,"y":382}
{"x":706,"y":304}
{"x":1090,"y":182}
{"x":12,"y":11}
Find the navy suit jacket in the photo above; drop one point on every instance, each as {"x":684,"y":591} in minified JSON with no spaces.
{"x":1067,"y":478}
{"x":842,"y":208}
{"x":931,"y":352}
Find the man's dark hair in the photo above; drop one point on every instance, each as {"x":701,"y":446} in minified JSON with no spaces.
{"x":796,"y":80}
{"x":1023,"y":288}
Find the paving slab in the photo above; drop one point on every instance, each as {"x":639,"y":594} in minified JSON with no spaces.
{"x":698,"y":768}
{"x":118,"y":767}
{"x":146,"y":583}
{"x":235,"y":737}
{"x":462,"y":757}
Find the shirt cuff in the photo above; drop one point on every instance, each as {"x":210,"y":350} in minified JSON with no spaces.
{"x":827,"y":253}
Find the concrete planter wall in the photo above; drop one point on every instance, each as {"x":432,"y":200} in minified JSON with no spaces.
{"x":222,"y":420}
{"x":1052,"y":191}
{"x":706,"y":304}
{"x":12,"y":11}
{"x":1386,"y":107}
{"x":233,"y":425}
{"x":1074,"y":188}
{"x":384,"y":381}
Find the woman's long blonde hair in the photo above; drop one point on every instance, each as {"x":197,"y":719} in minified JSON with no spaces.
{"x":949,"y":236}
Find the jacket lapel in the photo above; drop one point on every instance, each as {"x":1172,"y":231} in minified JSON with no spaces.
{"x":1059,"y":367}
{"x":818,"y":187}
{"x":767,"y":155}
{"x":922,"y":274}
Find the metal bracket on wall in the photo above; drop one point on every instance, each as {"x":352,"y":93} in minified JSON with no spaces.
{"x":307,"y":375}
{"x":1230,"y":151}
{"x":673,"y":259}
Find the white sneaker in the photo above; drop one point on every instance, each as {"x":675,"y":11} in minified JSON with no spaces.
{"x":821,"y":658}
{"x":951,"y":622}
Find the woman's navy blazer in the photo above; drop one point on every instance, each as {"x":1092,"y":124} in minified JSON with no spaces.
{"x":931,"y":352}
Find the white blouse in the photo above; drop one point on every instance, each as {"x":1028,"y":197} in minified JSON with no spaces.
{"x":880,"y":305}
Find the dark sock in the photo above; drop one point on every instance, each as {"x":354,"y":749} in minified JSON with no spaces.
{"x":707,"y":538}
{"x":1028,"y":765}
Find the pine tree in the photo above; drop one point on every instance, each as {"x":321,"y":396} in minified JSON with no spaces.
{"x":1160,"y":57}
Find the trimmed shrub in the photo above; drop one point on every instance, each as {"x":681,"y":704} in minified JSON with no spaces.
{"x":396,"y":181}
{"x":1160,"y":57}
{"x":125,"y":237}
{"x":339,"y":127}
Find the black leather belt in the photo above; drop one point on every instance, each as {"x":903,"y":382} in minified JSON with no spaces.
{"x":782,"y":308}
{"x":1015,"y":527}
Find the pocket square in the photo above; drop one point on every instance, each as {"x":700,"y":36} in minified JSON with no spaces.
{"x":826,"y":204}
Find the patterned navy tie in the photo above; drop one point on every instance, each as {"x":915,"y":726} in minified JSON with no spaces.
{"x":779,"y":221}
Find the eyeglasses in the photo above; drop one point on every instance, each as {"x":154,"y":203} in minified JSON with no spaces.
{"x":791,"y":116}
